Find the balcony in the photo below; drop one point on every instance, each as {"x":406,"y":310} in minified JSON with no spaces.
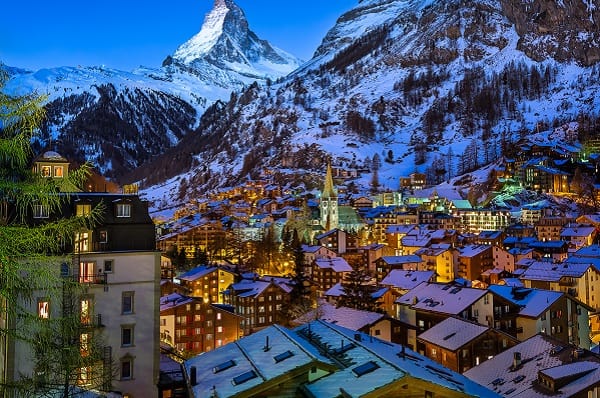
{"x":91,"y":279}
{"x":92,"y":321}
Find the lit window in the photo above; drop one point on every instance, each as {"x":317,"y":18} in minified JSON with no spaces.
{"x":46,"y":171}
{"x":83,"y":209}
{"x":44,"y":309}
{"x":58,"y":171}
{"x":85,"y":311}
{"x":123,"y":210}
{"x":219,"y":329}
{"x":218,"y":316}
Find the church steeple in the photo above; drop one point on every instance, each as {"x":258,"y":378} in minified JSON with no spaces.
{"x":329,"y":202}
{"x":328,"y":189}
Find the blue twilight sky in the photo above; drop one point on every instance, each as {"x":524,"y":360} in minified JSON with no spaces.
{"x":127,"y":33}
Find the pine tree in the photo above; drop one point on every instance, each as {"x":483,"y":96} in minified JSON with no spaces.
{"x":30,"y":263}
{"x":358,"y":293}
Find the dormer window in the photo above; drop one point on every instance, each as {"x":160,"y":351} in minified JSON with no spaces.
{"x":41,"y":211}
{"x":123,"y":210}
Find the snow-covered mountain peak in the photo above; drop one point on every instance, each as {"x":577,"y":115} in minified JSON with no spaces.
{"x":203,"y":41}
{"x":226,"y":42}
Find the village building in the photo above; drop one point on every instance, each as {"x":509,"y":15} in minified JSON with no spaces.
{"x":321,"y":359}
{"x":541,"y":366}
{"x":459,"y":344}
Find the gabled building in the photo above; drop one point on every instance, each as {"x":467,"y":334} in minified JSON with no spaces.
{"x":326,"y":272}
{"x":459,"y":344}
{"x":430,"y":303}
{"x":440,"y":259}
{"x":387,"y":263}
{"x":257,"y":301}
{"x":524,"y":312}
{"x":541,"y":366}
{"x":192,"y":326}
{"x":321,"y":359}
{"x":474,"y":259}
{"x":207,"y":282}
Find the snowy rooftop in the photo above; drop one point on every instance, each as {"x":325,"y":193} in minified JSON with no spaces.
{"x":440,"y":297}
{"x":343,"y":316}
{"x":543,"y":354}
{"x":337,"y":264}
{"x":407,"y":259}
{"x":472,"y":250}
{"x":453,"y":333}
{"x":196,"y":273}
{"x":406,"y":279}
{"x":174,"y":300}
{"x":532,"y":302}
{"x":577,"y":232}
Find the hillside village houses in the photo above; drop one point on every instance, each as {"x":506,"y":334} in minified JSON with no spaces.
{"x":438,"y":264}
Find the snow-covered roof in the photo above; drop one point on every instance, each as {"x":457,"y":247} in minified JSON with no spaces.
{"x":578,"y":231}
{"x":377,"y":363}
{"x":400,"y":228}
{"x":406,"y":279}
{"x":447,"y":298}
{"x":532,"y":302}
{"x":343,"y":316}
{"x":174,"y":300}
{"x":588,"y":251}
{"x":472,"y":250}
{"x":337,"y":264}
{"x":196,"y":273}
{"x":540,"y":354}
{"x":453,"y":333}
{"x":406,"y":259}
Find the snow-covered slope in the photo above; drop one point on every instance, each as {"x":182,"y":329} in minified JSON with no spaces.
{"x":419,"y":84}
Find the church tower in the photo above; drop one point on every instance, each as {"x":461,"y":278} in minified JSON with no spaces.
{"x":329,"y":202}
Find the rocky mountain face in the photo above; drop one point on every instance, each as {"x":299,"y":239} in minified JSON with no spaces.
{"x":120,"y":120}
{"x":420,"y":85}
{"x":562,"y":30}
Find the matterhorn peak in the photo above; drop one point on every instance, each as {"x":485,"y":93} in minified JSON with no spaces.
{"x":225,"y":41}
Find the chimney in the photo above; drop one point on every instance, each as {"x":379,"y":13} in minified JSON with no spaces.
{"x":516,"y":359}
{"x":193,"y":378}
{"x":266,"y":347}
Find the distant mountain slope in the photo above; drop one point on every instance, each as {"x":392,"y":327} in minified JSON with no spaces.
{"x":120,"y":120}
{"x":420,"y":85}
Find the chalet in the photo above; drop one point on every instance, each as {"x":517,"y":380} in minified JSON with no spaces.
{"x":326,"y":272}
{"x":524,"y":312}
{"x":387,"y":263}
{"x":440,"y":259}
{"x":473,"y":260}
{"x":402,"y":281}
{"x":541,"y":366}
{"x":321,"y":359}
{"x":258,"y":301}
{"x":207,"y":282}
{"x":459,"y":344}
{"x":506,"y":259}
{"x":192,"y":326}
{"x":430,"y":303}
{"x":578,"y":236}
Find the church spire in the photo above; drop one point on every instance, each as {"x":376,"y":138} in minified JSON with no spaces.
{"x":328,"y":189}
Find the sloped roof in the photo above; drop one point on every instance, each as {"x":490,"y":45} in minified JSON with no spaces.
{"x":441,"y":297}
{"x":406,"y":279}
{"x":453,"y":333}
{"x":540,"y":353}
{"x":532,"y":302}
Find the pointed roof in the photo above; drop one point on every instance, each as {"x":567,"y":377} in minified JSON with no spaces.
{"x":328,"y":189}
